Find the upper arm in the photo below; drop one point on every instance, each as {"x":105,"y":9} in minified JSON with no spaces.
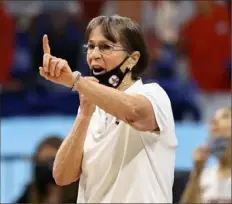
{"x":153,"y":109}
{"x":144,"y":119}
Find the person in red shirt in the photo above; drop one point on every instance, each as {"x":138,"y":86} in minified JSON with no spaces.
{"x":6,"y":42}
{"x":7,"y":47}
{"x":205,"y":39}
{"x":90,"y":9}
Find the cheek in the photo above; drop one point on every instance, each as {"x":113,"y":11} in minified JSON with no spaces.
{"x":110,"y":63}
{"x":226,"y":124}
{"x":226,"y":128}
{"x":229,"y":128}
{"x":88,"y":60}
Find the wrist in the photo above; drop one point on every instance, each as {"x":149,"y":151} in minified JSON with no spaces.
{"x":75,"y":77}
{"x":71,"y":82}
{"x":196,"y":173}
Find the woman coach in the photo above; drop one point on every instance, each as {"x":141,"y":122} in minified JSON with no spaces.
{"x":122,"y":144}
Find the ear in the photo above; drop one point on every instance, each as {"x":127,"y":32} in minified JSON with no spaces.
{"x":134,"y":58}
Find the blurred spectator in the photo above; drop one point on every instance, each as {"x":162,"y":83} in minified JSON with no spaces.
{"x":21,"y":12}
{"x":205,"y":39}
{"x":212,"y":185}
{"x":7,"y":28}
{"x":90,"y":9}
{"x":142,"y":12}
{"x":136,"y":11}
{"x":6,"y":42}
{"x":182,"y":93}
{"x":64,"y":34}
{"x":43,"y":189}
{"x":164,"y":68}
{"x":166,"y":13}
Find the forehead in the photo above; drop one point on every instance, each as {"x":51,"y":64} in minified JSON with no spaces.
{"x":46,"y":151}
{"x":222,"y":113}
{"x":97,"y":35}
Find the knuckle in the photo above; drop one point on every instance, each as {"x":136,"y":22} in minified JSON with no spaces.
{"x":46,"y":55}
{"x":60,"y":64}
{"x":53,"y":60}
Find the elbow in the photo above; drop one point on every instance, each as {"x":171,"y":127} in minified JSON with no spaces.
{"x":59,"y":179}
{"x":132,"y":114}
{"x":62,"y":180}
{"x":141,"y":122}
{"x":59,"y":182}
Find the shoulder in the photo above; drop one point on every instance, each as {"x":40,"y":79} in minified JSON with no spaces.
{"x":154,"y":87}
{"x":156,"y":93}
{"x":161,"y":105}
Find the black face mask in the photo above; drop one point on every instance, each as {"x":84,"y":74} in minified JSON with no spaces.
{"x":112,"y":78}
{"x":218,"y":145}
{"x":43,"y":175}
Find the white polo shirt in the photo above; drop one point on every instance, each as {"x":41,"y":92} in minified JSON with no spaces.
{"x":213,"y":189}
{"x":124,"y":165}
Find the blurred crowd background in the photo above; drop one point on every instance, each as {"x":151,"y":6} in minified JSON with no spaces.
{"x":189,"y":44}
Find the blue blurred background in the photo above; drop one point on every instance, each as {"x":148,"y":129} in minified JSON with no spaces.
{"x":189,"y":45}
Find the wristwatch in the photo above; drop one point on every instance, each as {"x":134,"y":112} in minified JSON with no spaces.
{"x":78,"y":75}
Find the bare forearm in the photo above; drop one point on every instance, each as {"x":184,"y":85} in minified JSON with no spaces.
{"x":112,"y":101}
{"x":67,"y":165}
{"x":192,"y":192}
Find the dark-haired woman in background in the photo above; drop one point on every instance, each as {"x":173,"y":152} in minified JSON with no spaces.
{"x":43,"y":189}
{"x":122,"y":144}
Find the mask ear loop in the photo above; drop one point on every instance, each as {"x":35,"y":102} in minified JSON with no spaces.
{"x":126,"y":71}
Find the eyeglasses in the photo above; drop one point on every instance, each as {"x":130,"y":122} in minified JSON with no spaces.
{"x":104,"y":48}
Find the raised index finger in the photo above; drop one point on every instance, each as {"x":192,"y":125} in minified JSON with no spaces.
{"x":46,"y":47}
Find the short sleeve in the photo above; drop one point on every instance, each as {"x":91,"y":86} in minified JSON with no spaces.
{"x":161,"y":105}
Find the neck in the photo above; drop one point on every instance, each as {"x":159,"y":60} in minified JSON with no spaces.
{"x":126,"y":82}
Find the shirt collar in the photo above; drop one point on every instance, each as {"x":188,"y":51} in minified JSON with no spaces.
{"x":135,"y":86}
